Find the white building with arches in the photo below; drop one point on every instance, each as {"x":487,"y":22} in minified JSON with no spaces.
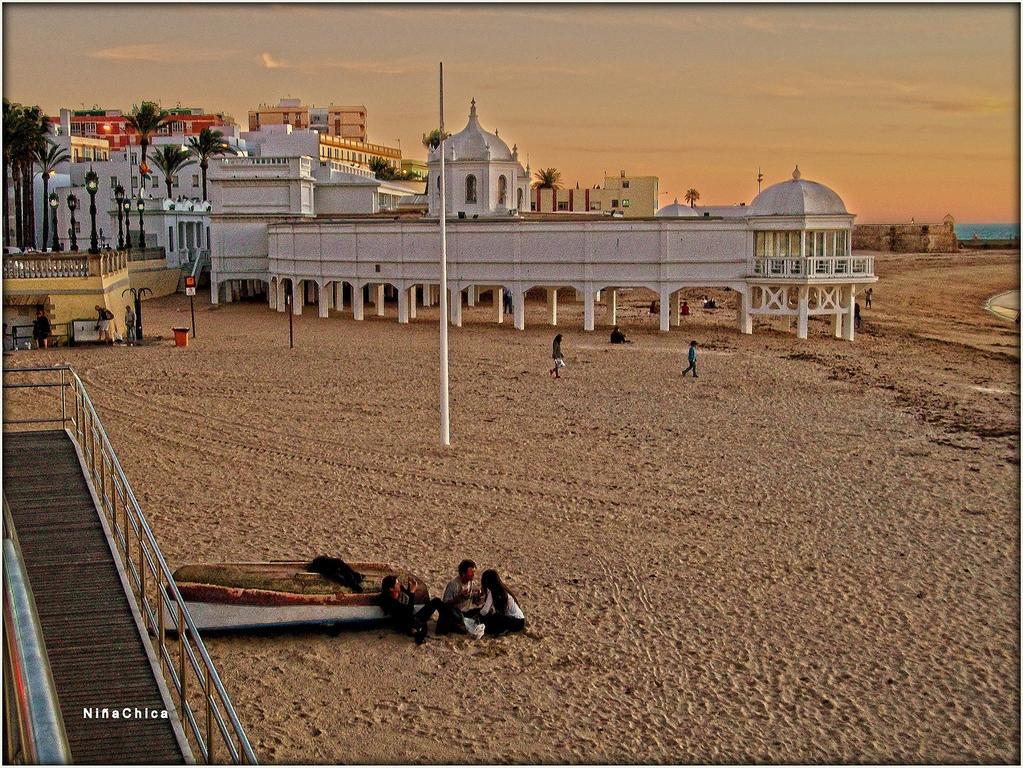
{"x":786,"y":255}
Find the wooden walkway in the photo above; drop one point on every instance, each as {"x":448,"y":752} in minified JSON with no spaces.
{"x":96,"y":654}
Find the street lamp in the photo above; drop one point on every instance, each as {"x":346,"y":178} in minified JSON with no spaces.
{"x":127,"y":223}
{"x":141,"y":205}
{"x":72,"y":204}
{"x":54,"y":202}
{"x":91,"y":185}
{"x":119,"y":197}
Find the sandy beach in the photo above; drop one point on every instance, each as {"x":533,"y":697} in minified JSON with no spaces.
{"x":809,"y":554}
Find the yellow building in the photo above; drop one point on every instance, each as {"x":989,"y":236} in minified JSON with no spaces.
{"x":69,"y":286}
{"x":629,"y":196}
{"x":358,"y":153}
{"x":346,"y":122}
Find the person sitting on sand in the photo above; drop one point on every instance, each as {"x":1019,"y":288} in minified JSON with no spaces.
{"x":617,"y":337}
{"x":398,"y":603}
{"x":500,"y":611}
{"x":461,"y":600}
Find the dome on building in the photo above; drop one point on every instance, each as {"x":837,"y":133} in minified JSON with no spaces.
{"x":677,"y":211}
{"x":473,"y":143}
{"x":797,"y":197}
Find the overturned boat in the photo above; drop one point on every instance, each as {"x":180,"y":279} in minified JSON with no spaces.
{"x":221,"y":596}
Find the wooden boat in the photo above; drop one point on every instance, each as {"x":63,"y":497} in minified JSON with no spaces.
{"x":281,"y":593}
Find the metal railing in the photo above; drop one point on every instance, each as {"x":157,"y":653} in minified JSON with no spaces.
{"x":34,"y":726}
{"x":203,"y":704}
{"x":812,"y":266}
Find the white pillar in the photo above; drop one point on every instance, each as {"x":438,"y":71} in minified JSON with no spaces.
{"x":324,"y":300}
{"x":665,"y":309}
{"x":455,"y":305}
{"x":745,"y":318}
{"x":804,"y":303}
{"x":412,"y":302}
{"x":297,"y":296}
{"x":214,"y":290}
{"x":552,"y":305}
{"x":837,"y":317}
{"x":339,"y":295}
{"x":471,"y":296}
{"x":271,"y":293}
{"x":228,"y":291}
{"x":519,"y":306}
{"x":498,"y":294}
{"x":281,"y":294}
{"x":676,"y":303}
{"x":850,"y":315}
{"x":402,"y":305}
{"x":587,"y":310}
{"x":358,"y":301}
{"x":612,"y":306}
{"x":378,"y":299}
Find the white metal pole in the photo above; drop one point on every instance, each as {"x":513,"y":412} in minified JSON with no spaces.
{"x":445,"y":423}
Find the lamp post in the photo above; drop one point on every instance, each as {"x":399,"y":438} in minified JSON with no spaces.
{"x":126,"y":205}
{"x":141,"y":205}
{"x":54,"y":202}
{"x":72,"y":204}
{"x":119,"y":197}
{"x":91,"y":185}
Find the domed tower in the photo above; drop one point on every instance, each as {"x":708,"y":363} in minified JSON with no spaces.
{"x":483,"y":176}
{"x":802,"y":261}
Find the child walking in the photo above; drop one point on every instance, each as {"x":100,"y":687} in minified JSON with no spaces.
{"x":559,"y":360}
{"x":692,"y":360}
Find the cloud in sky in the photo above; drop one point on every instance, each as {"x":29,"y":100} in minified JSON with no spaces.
{"x":157,"y":54}
{"x":269,"y":62}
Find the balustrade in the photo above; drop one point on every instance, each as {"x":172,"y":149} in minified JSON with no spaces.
{"x":812,"y":267}
{"x":40,"y":265}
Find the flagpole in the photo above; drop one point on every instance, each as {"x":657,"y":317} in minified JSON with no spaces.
{"x":445,"y":424}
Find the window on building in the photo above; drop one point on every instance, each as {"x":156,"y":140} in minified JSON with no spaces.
{"x":502,"y":190}
{"x":625,"y":183}
{"x":134,"y":181}
{"x":625,"y":203}
{"x":594,"y":206}
{"x":170,"y":238}
{"x":470,"y":189}
{"x":195,"y":180}
{"x":518,"y":199}
{"x":614,"y":203}
{"x":563,"y":205}
{"x":78,"y":227}
{"x":174,"y":181}
{"x":113,"y":182}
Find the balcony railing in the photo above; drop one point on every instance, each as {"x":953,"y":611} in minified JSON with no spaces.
{"x":814,"y":267}
{"x":28,"y":265}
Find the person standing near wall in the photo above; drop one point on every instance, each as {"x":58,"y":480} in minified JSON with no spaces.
{"x":41,"y":329}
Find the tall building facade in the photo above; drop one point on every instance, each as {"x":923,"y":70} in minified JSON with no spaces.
{"x":112,"y":124}
{"x":344,"y":122}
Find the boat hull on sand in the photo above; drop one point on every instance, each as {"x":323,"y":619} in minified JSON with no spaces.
{"x":235,"y":596}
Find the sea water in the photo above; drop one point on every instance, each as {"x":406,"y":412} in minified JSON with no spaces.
{"x":987,"y":231}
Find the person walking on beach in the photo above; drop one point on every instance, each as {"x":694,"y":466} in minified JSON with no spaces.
{"x":129,"y":325}
{"x":500,"y":610}
{"x":398,"y":603}
{"x":559,"y":360}
{"x":461,"y":601}
{"x":856,"y":316}
{"x":41,"y":329}
{"x":867,"y":297}
{"x":692,"y":359}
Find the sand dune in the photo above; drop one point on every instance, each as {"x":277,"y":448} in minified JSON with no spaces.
{"x":808,"y":555}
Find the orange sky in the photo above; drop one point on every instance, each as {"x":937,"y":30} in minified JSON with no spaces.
{"x":906,"y":111}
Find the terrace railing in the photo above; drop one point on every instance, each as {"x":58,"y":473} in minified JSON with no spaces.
{"x":35,"y":265}
{"x":826,"y":267}
{"x":209,"y":719}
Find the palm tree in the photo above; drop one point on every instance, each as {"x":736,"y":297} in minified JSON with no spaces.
{"x":382,"y":169}
{"x":24,"y":134}
{"x":170,"y":159}
{"x":547,"y":178}
{"x":691,"y":197}
{"x":209,"y":144}
{"x":431,"y":140}
{"x":48,"y":158}
{"x":12,"y":118}
{"x":146,"y":120}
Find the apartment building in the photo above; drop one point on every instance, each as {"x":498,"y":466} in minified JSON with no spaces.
{"x":345,"y":122}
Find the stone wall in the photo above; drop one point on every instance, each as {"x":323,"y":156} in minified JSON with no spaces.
{"x":906,"y":238}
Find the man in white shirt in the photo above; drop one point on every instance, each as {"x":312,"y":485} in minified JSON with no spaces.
{"x":463,"y":597}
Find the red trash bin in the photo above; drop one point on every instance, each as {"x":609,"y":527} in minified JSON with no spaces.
{"x":180,"y":337}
